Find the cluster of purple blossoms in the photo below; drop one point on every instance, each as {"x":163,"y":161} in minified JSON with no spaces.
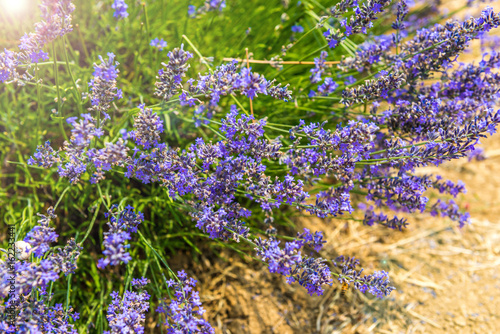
{"x":363,"y":17}
{"x":45,"y":156}
{"x":42,"y":234}
{"x":371,"y":218}
{"x":159,"y":44}
{"x":319,"y":67}
{"x":56,"y":22}
{"x":84,"y":130}
{"x":472,"y":3}
{"x":297,"y":28}
{"x":342,"y":7}
{"x":311,"y":273}
{"x":349,"y":80}
{"x":170,"y":77}
{"x":36,"y":316}
{"x":450,"y":210}
{"x":192,"y":11}
{"x":368,"y":53}
{"x":208,"y":6}
{"x":439,"y":145}
{"x":431,"y":49}
{"x":120,"y":8}
{"x":428,"y":123}
{"x":226,"y":80}
{"x":476,"y":154}
{"x":360,"y":21}
{"x":332,"y":38}
{"x":442,"y":44}
{"x":373,"y":89}
{"x":79,"y":155}
{"x":377,"y":283}
{"x":148,"y":127}
{"x":103,"y":89}
{"x":327,"y":87}
{"x":184,"y":310}
{"x":401,"y":14}
{"x":317,"y":157}
{"x":314,"y":241}
{"x":36,"y":275}
{"x":127,"y":314}
{"x":409,"y":123}
{"x":32,"y":279}
{"x":213,"y":173}
{"x":121,"y":224}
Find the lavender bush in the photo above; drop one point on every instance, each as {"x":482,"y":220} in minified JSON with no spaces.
{"x":150,"y":143}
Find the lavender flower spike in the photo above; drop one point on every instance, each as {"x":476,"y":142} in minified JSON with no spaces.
{"x":127,"y":314}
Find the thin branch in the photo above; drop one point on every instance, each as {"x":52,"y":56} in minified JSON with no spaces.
{"x":278,"y":62}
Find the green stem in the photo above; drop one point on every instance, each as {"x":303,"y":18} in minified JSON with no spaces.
{"x":38,"y":109}
{"x":67,"y":295}
{"x":102,"y":197}
{"x":61,"y":197}
{"x":158,"y":256}
{"x":78,"y":95}
{"x":91,"y":223}
{"x":148,"y":35}
{"x":59,"y":109}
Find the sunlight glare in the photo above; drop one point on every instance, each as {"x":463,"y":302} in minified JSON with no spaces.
{"x":13,"y":6}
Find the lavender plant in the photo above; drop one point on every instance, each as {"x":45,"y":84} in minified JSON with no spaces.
{"x":237,"y":149}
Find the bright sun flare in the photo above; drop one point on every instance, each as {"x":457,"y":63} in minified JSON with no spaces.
{"x":13,"y":6}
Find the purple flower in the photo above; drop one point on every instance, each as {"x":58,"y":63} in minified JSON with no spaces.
{"x":45,"y":156}
{"x":215,"y":5}
{"x":315,"y":241}
{"x":36,"y":316}
{"x":35,"y":276}
{"x":192,"y":11}
{"x":368,"y":53}
{"x":377,"y":283}
{"x":42,"y":235}
{"x":121,"y":224}
{"x":127,"y":314}
{"x":148,"y":127}
{"x":226,"y":79}
{"x":373,"y":89}
{"x":310,"y":273}
{"x":371,"y":218}
{"x":450,"y":210}
{"x":400,"y":16}
{"x":56,"y":22}
{"x":297,"y":28}
{"x":170,"y":77}
{"x":183,"y":313}
{"x":103,"y":89}
{"x":120,"y":8}
{"x":349,"y":80}
{"x":332,"y":38}
{"x":476,"y":154}
{"x":158,"y":43}
{"x":319,"y":67}
{"x":327,"y":87}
